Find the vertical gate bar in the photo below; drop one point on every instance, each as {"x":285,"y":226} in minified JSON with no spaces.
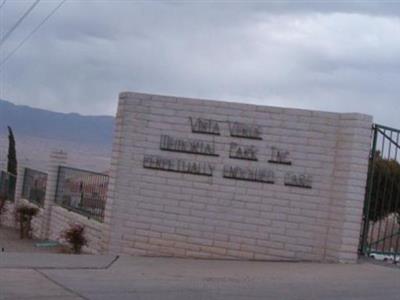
{"x":93,"y":196}
{"x":395,"y":235}
{"x":390,"y":145}
{"x":103,"y":199}
{"x":380,"y":157}
{"x":390,"y":196}
{"x":396,"y":206}
{"x":91,"y":191}
{"x":382,"y":206}
{"x":93,"y":200}
{"x":88,"y":194}
{"x":96,"y":196}
{"x":370,"y":180}
{"x":99,"y":198}
{"x":104,"y":195}
{"x":92,"y":181}
{"x":84,"y":188}
{"x":387,"y":215}
{"x":377,"y":192}
{"x":87,"y":189}
{"x":58,"y":185}
{"x":83,"y":178}
{"x":25,"y":184}
{"x":383,"y":144}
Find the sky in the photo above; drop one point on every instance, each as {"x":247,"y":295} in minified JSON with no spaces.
{"x":341,"y":56}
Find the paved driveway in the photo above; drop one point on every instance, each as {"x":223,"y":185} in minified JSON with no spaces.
{"x":103,"y":277}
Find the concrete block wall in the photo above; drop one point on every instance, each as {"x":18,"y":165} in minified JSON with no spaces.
{"x":7,"y":218}
{"x":61,"y":219}
{"x":157,"y":212}
{"x":52,"y":219}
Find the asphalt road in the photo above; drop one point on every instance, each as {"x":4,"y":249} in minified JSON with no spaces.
{"x":54,"y":276}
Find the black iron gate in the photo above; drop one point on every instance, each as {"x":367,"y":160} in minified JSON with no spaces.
{"x":380,"y":235}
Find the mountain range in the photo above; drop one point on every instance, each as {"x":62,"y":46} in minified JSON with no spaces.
{"x":29,"y":121}
{"x":86,"y":139}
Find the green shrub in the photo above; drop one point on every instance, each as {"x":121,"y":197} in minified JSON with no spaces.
{"x":74,"y":235}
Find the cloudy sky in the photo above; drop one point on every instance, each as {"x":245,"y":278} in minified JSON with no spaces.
{"x":336,"y":56}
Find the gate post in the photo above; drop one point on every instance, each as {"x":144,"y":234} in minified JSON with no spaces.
{"x":57,"y":158}
{"x":18,"y":192}
{"x":19,"y":184}
{"x":8,"y":218}
{"x":350,"y":176}
{"x":368,"y":191}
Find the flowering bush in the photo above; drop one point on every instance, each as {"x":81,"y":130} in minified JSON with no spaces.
{"x":27,"y":211}
{"x":74,"y":235}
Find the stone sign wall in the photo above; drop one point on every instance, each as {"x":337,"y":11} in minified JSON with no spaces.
{"x":197,"y":178}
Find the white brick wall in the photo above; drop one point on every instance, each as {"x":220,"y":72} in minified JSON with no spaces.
{"x":156,"y":212}
{"x":7,"y":217}
{"x":52,"y":219}
{"x":61,"y":219}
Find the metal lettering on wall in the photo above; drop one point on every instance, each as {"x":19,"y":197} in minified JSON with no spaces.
{"x":247,"y":131}
{"x":298,"y":180}
{"x":279,"y":156}
{"x":242,"y":152}
{"x":249,"y":174}
{"x":201,"y":125}
{"x":187,"y":145}
{"x":177,"y":165}
{"x":236,"y":151}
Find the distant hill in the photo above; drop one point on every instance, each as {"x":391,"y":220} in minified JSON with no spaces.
{"x":34,"y":122}
{"x":86,"y":139}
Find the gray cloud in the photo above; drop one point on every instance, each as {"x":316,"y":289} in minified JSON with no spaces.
{"x":338,"y":56}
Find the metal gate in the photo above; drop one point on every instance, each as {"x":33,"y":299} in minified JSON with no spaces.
{"x":380,"y":235}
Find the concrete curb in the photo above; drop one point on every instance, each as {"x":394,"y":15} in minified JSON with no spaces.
{"x":55,"y":261}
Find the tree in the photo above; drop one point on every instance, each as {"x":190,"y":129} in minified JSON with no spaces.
{"x":11,"y":166}
{"x":385,"y":192}
{"x":12,"y":153}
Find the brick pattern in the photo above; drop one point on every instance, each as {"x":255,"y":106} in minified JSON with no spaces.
{"x":7,"y":218}
{"x":154,"y":212}
{"x":61,"y":219}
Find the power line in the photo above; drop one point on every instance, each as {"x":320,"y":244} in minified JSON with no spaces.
{"x":28,"y":11}
{"x":1,"y":36}
{"x":31,"y":33}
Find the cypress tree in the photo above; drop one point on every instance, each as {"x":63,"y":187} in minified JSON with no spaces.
{"x":12,"y":153}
